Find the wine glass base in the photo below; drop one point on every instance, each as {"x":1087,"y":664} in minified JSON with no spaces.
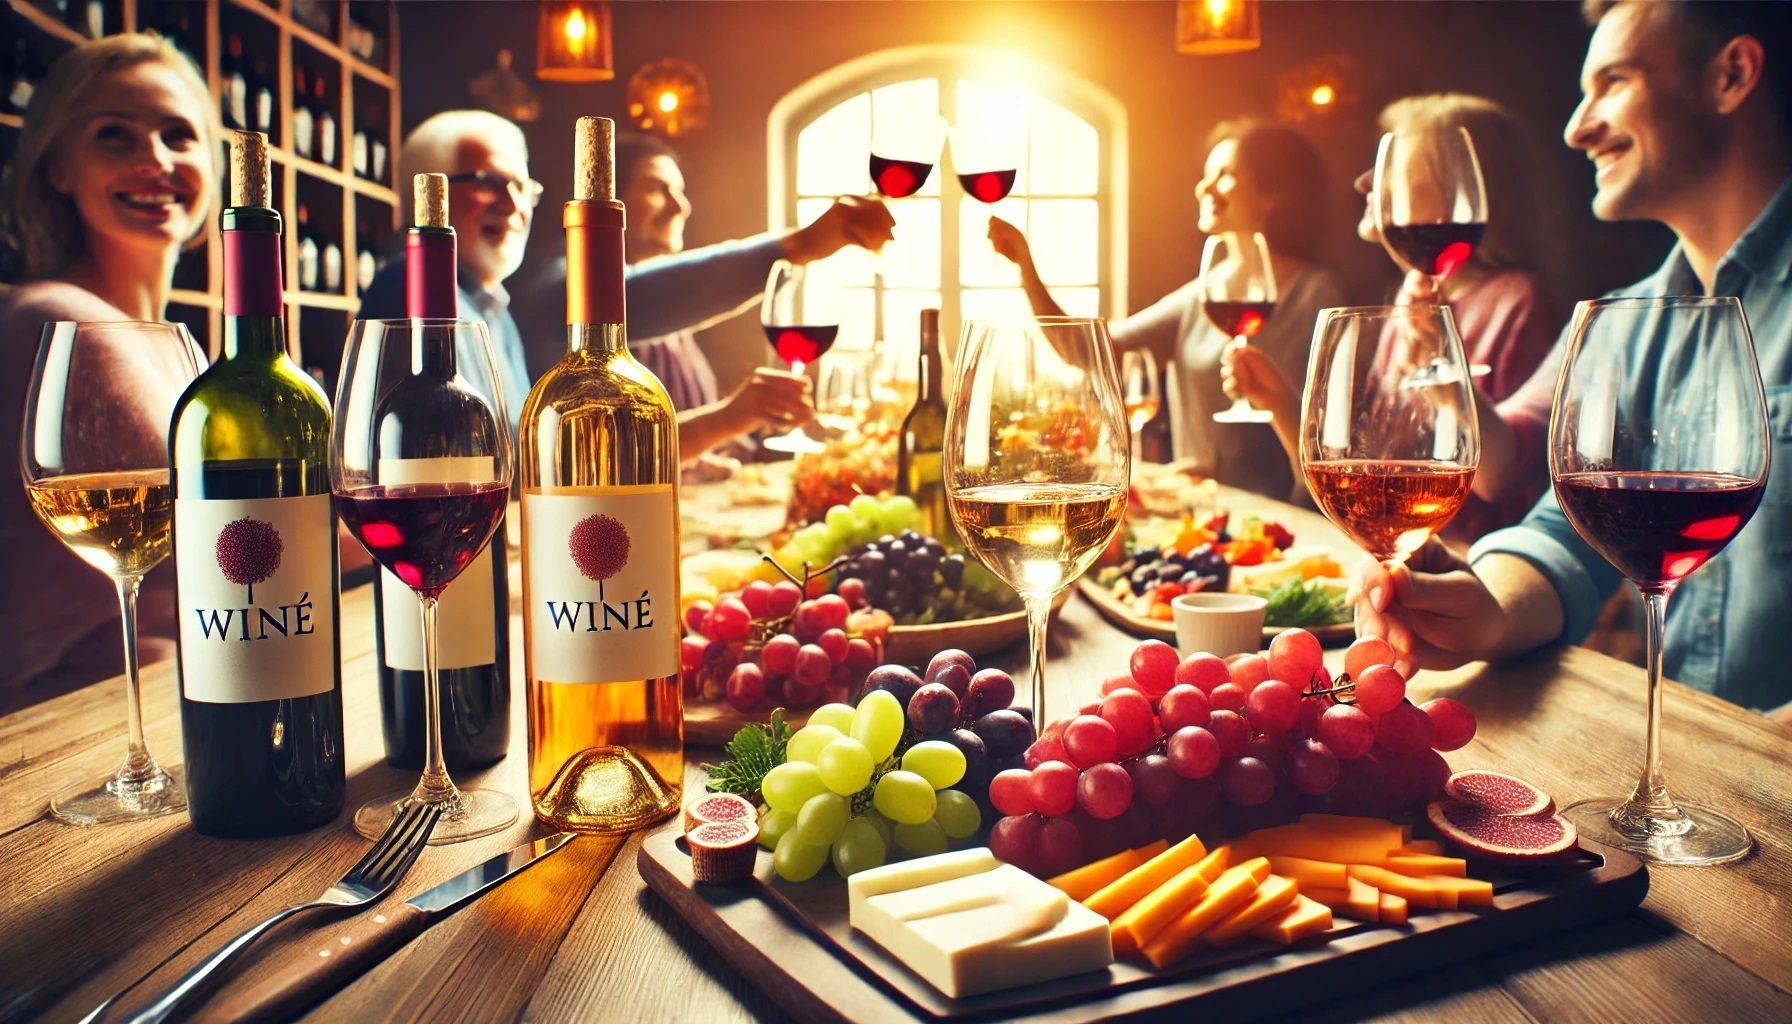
{"x":1246,"y":414}
{"x":483,"y":811}
{"x":794,"y":443}
{"x":110,"y":801}
{"x":1712,"y":838}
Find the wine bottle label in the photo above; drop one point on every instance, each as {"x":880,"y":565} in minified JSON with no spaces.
{"x":257,"y":597}
{"x":600,"y":569}
{"x":464,"y":612}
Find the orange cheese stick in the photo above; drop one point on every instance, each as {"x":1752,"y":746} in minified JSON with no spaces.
{"x":1335,"y":847}
{"x":1420,"y":864}
{"x":1228,"y":892}
{"x":1311,"y":874}
{"x":1306,"y":917}
{"x":1357,"y":900}
{"x":1138,"y":923}
{"x":1090,"y":879}
{"x":1131,"y":887}
{"x":1357,"y":826}
{"x":1393,"y":909}
{"x":1423,"y":846}
{"x":1469,"y":892}
{"x":1416,"y":891}
{"x":1275,"y":895}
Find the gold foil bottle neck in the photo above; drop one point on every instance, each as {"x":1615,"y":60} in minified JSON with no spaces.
{"x":248,"y":169}
{"x":430,"y":200}
{"x":594,"y":162}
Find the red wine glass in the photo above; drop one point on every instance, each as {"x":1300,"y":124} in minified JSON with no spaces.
{"x":1388,"y":463}
{"x":795,"y":337}
{"x":903,"y":152}
{"x":1658,"y":470}
{"x":96,"y":473}
{"x":420,"y":463}
{"x":1238,"y":295}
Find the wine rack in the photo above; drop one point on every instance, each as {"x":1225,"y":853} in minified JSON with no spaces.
{"x":320,"y":78}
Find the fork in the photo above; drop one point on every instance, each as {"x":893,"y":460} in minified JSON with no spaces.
{"x":370,"y":879}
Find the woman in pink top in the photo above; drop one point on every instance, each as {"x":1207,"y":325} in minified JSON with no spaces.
{"x":114,"y":173}
{"x":1500,"y":301}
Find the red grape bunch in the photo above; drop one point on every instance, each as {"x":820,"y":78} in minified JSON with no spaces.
{"x":768,"y":646}
{"x":1253,"y":740}
{"x":958,"y":703}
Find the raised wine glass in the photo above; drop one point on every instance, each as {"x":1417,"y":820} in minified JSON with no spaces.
{"x":1388,"y":463}
{"x":986,"y":158}
{"x":96,"y":472}
{"x":1238,"y":294}
{"x":420,"y":463}
{"x":1037,"y":458}
{"x":1658,"y":469}
{"x":1138,"y":377}
{"x":784,"y":315}
{"x":903,"y":152}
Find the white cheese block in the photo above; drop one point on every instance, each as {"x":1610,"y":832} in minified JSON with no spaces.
{"x":1016,"y":908}
{"x":912,"y":874}
{"x":946,"y":952}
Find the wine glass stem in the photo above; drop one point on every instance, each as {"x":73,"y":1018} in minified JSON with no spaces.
{"x":1650,"y":807}
{"x":138,"y":765}
{"x":1039,"y":610}
{"x":435,"y":786}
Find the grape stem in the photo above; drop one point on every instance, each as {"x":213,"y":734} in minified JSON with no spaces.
{"x":807,"y":573}
{"x":1342,"y":690}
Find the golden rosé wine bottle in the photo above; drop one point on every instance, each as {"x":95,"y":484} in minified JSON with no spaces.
{"x":599,"y":470}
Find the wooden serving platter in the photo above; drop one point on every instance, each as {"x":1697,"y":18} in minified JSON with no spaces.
{"x":1337,"y":635}
{"x":794,"y":943}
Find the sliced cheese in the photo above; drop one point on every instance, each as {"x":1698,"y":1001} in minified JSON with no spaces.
{"x":1090,"y":879}
{"x":1077,"y":943}
{"x":912,"y":874}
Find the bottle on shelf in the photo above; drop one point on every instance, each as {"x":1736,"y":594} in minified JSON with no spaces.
{"x":366,"y":263}
{"x":308,"y":261}
{"x":923,"y":438}
{"x":599,"y":457}
{"x":93,"y":18}
{"x":261,"y":89}
{"x":332,"y":261}
{"x":357,"y":154}
{"x":377,"y":157}
{"x":256,"y":573}
{"x":236,"y":85}
{"x":22,"y":81}
{"x":473,"y":675}
{"x":303,"y":121}
{"x":326,"y":122}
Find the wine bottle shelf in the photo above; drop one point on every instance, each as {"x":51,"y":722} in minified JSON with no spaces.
{"x":352,"y":200}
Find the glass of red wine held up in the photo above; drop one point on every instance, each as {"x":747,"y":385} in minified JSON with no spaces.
{"x":1238,"y":295}
{"x":1658,"y":464}
{"x":903,"y":152}
{"x":420,"y":463}
{"x":798,"y":340}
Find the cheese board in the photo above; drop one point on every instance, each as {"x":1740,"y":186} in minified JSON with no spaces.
{"x":794,"y":942}
{"x":1337,"y":635}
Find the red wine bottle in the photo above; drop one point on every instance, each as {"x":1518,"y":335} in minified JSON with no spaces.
{"x":473,"y":616}
{"x":256,"y":570}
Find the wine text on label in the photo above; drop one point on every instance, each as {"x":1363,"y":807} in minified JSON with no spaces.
{"x":464,"y":611}
{"x":257,"y":597}
{"x":600,"y":571}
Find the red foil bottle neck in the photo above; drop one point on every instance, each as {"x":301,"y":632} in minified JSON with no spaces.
{"x":252,"y":268}
{"x":430,"y":290}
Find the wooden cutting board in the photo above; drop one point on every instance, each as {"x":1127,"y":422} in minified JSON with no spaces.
{"x":793,"y":942}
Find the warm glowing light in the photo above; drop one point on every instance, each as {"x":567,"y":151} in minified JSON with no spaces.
{"x":1217,"y":8}
{"x":668,"y":102}
{"x":575,"y":27}
{"x":1323,"y":95}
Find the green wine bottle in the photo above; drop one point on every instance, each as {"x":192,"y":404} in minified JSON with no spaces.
{"x":923,"y":438}
{"x":256,"y":571}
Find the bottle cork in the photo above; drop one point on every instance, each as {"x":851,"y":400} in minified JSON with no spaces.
{"x":594,"y":163}
{"x":248,"y":169}
{"x":429,"y":200}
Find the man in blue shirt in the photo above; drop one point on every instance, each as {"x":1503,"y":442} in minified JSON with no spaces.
{"x":1684,"y":114}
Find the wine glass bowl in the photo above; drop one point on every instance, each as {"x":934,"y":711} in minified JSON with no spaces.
{"x":1388,"y":463}
{"x":1138,"y":377}
{"x":96,"y":472}
{"x":1658,"y":465}
{"x":1430,"y":201}
{"x":1238,"y":296}
{"x":986,"y":158}
{"x":1036,"y":457}
{"x":421,"y":460}
{"x":784,"y":315}
{"x":903,"y":152}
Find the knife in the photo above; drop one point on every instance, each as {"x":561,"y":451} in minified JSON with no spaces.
{"x":332,"y":956}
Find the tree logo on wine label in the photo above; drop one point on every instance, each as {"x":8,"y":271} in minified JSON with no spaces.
{"x":599,"y":546}
{"x":248,"y":552}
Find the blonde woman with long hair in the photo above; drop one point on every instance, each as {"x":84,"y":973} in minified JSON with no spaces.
{"x":115,"y":172}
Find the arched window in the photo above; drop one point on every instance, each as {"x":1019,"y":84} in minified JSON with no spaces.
{"x":1069,"y":194}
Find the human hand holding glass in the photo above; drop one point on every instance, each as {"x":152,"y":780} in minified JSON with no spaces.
{"x":1037,"y":458}
{"x":1430,"y":205}
{"x":1238,"y":295}
{"x":103,"y":489}
{"x":420,"y":463}
{"x":1659,"y":471}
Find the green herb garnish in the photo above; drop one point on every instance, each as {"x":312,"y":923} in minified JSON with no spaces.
{"x":754,"y":751}
{"x":1302,"y":603}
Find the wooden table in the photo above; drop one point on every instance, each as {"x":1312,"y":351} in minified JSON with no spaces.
{"x":85,"y":913}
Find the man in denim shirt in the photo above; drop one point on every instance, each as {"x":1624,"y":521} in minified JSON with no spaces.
{"x":1684,"y":114}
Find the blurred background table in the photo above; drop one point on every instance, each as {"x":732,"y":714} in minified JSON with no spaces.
{"x":85,"y":913}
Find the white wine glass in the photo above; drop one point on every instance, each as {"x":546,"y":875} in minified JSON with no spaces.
{"x":420,"y":464}
{"x":1037,"y":458}
{"x":1388,"y":463}
{"x":1138,"y":377}
{"x":783,"y":313}
{"x":1238,"y":295}
{"x":1658,"y":471}
{"x":96,"y":471}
